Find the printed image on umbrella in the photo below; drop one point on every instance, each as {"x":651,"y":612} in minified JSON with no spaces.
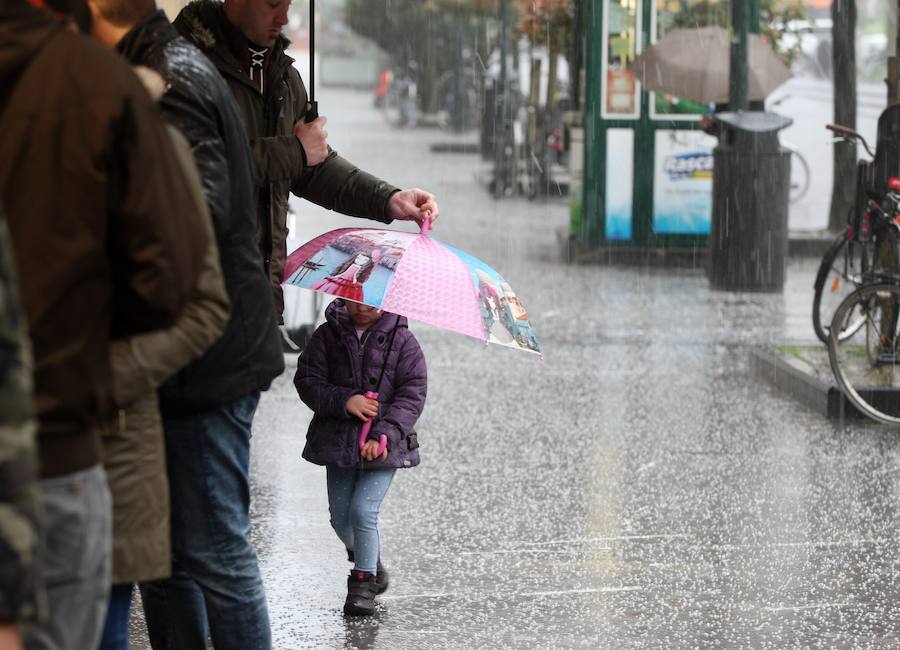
{"x":415,"y":276}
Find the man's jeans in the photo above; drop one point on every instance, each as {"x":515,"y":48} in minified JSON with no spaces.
{"x":77,"y":559}
{"x":216,"y":587}
{"x":354,"y":499}
{"x":115,"y":630}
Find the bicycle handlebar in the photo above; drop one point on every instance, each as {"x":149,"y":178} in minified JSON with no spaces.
{"x":842,"y":130}
{"x":849,"y":134}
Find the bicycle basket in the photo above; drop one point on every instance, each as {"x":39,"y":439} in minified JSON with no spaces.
{"x":887,"y":149}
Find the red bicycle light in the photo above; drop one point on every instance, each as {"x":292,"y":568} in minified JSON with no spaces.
{"x":893,"y":183}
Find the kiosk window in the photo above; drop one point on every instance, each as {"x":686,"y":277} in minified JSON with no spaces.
{"x":620,"y":96}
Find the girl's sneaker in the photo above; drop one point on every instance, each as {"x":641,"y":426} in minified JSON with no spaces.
{"x":361,"y":590}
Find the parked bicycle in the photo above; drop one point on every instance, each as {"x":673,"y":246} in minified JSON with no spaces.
{"x":800,"y":178}
{"x":863,"y":334}
{"x":399,"y":103}
{"x":800,"y":174}
{"x":847,"y":259}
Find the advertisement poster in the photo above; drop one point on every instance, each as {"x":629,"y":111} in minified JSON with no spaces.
{"x":682,"y":182}
{"x":619,"y":183}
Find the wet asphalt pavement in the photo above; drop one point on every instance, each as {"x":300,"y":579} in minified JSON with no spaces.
{"x":635,"y":489}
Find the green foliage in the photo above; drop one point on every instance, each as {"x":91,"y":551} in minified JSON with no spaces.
{"x":543,"y":20}
{"x":426,"y":32}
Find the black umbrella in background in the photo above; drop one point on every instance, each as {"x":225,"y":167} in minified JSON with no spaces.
{"x":312,"y":111}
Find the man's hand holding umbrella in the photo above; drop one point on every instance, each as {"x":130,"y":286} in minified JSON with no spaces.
{"x":413,"y":205}
{"x":314,"y":139}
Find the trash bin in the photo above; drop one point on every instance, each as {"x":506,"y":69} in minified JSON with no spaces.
{"x":751,"y":183}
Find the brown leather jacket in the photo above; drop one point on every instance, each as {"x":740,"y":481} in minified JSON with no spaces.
{"x":95,"y":206}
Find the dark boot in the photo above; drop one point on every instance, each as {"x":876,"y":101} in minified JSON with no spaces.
{"x":360,"y":594}
{"x":382,"y":578}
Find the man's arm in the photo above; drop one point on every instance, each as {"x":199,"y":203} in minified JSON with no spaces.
{"x":339,"y":185}
{"x":277,"y":159}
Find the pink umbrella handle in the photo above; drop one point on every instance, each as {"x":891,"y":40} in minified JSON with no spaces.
{"x":425,"y":227}
{"x":367,"y":426}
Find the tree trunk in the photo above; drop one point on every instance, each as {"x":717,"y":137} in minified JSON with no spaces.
{"x":552,"y":71}
{"x":843,"y":29}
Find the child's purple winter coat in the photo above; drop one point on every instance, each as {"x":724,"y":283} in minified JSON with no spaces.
{"x":336,"y":365}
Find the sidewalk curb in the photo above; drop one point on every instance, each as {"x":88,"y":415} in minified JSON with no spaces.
{"x":809,"y":244}
{"x":801,"y":381}
{"x":574,"y":251}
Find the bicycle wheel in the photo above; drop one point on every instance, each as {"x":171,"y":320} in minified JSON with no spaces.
{"x":800,"y":178}
{"x":839,"y":274}
{"x":866,"y":364}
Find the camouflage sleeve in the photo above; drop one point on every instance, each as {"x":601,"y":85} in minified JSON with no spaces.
{"x":21,"y":596}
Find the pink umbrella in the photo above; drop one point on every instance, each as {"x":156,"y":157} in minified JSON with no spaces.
{"x":416,"y":276}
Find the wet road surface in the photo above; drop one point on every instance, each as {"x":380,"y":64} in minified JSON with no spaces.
{"x":635,"y":489}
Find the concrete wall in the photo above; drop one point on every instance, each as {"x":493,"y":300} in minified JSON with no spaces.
{"x":357,"y":72}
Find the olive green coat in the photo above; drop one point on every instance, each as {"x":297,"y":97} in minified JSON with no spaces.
{"x":134,"y":456}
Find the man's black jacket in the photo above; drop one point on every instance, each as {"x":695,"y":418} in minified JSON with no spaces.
{"x":196,"y":101}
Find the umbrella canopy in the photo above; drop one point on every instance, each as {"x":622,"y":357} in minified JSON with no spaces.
{"x":693,"y":64}
{"x":415,"y":276}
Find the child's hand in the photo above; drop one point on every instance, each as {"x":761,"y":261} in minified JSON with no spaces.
{"x":362,"y":407}
{"x":370,"y":450}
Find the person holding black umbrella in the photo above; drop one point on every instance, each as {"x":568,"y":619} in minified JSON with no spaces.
{"x":289,"y":141}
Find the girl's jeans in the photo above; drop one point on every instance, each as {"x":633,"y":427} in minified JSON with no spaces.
{"x":354,"y":498}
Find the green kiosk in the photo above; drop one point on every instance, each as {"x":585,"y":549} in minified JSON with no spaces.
{"x":647,"y":178}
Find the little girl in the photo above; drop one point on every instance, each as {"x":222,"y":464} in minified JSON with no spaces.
{"x":356,"y":348}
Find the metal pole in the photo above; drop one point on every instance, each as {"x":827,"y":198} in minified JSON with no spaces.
{"x":577,"y":51}
{"x":501,"y":119}
{"x":737,"y":95}
{"x":588,"y":221}
{"x":754,"y":17}
{"x":504,"y":45}
{"x":312,"y":111}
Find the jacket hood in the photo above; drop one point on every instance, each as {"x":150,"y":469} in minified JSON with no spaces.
{"x":201,"y":19}
{"x":336,"y":313}
{"x":23,"y":31}
{"x":148,"y":35}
